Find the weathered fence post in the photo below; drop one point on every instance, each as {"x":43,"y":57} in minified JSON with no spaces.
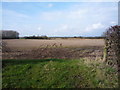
{"x":105,"y":54}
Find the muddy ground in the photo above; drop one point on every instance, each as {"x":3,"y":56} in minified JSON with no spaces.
{"x":91,"y":53}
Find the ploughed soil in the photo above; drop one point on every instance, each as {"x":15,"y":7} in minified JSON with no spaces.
{"x":91,"y":52}
{"x":55,"y":48}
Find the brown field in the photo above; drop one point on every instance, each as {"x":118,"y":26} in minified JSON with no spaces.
{"x":32,"y":43}
{"x":57,"y":48}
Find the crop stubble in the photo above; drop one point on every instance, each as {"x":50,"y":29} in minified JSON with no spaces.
{"x":29,"y":44}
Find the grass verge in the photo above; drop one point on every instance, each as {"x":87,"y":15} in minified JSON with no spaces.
{"x":57,"y":73}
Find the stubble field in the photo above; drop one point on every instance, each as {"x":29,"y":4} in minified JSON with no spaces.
{"x":32,"y":43}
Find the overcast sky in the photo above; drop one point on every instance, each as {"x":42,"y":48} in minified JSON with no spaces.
{"x":59,"y":18}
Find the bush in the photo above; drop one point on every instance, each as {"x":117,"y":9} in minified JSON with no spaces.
{"x":112,"y":41}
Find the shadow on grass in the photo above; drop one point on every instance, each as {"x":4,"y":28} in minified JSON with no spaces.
{"x":25,"y":61}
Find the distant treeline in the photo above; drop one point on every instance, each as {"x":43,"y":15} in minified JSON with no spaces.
{"x":96,"y":37}
{"x":35,"y":37}
{"x":45,"y":37}
{"x":80,"y":37}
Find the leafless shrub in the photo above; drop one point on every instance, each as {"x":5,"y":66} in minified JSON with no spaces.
{"x":5,"y":47}
{"x":51,"y":51}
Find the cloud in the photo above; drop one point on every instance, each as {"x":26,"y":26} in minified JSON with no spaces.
{"x":50,"y":5}
{"x":79,"y":19}
{"x":63,"y":15}
{"x":50,"y":16}
{"x":76,"y":14}
{"x":13,"y":13}
{"x":62,"y":28}
{"x":10,"y":15}
{"x":12,"y":20}
{"x":94,"y":27}
{"x":113,"y":22}
{"x":39,"y":28}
